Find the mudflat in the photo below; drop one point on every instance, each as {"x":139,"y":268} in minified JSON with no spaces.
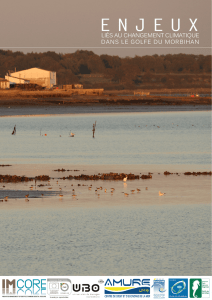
{"x":73,"y":188}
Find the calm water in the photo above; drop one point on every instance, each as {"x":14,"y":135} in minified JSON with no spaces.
{"x":138,"y":240}
{"x":137,"y":235}
{"x":124,"y":138}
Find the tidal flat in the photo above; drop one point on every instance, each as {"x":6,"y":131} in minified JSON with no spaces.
{"x":67,"y":226}
{"x":89,"y":227}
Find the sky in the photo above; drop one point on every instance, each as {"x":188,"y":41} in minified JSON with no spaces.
{"x":65,"y":26}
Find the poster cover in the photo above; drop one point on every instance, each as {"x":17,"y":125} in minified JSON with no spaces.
{"x":105,"y":148}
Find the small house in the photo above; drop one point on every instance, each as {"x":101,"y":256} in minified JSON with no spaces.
{"x":4,"y":84}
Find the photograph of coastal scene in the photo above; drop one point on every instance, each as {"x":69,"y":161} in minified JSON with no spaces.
{"x":105,"y":138}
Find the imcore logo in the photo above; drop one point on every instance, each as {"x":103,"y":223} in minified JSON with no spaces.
{"x":24,"y":287}
{"x":8,"y":287}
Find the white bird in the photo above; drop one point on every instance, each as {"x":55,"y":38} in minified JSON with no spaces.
{"x":125,"y":179}
{"x":161,"y":194}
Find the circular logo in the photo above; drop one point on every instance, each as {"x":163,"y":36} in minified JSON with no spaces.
{"x":101,"y":281}
{"x":64,"y":287}
{"x":178,"y":287}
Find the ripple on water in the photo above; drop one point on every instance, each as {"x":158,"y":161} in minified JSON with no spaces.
{"x":106,"y":241}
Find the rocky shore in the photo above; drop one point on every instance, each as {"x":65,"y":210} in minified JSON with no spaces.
{"x":104,"y":176}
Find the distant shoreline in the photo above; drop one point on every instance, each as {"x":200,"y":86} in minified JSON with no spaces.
{"x":168,"y":97}
{"x":17,"y":102}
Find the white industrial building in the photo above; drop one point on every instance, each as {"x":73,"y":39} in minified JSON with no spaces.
{"x":34,"y":75}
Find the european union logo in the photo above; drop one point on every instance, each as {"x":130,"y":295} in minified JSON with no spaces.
{"x":178,"y":288}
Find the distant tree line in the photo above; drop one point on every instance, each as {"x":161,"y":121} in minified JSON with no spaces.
{"x":122,"y":71}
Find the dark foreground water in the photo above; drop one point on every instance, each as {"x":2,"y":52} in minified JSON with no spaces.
{"x":137,"y":240}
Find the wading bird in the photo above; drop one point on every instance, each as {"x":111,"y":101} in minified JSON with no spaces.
{"x":125,"y":179}
{"x":161,"y":194}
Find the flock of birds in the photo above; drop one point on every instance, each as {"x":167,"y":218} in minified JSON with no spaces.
{"x":89,"y":188}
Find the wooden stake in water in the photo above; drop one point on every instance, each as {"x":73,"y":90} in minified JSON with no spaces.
{"x":94,"y":127}
{"x":93,"y":130}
